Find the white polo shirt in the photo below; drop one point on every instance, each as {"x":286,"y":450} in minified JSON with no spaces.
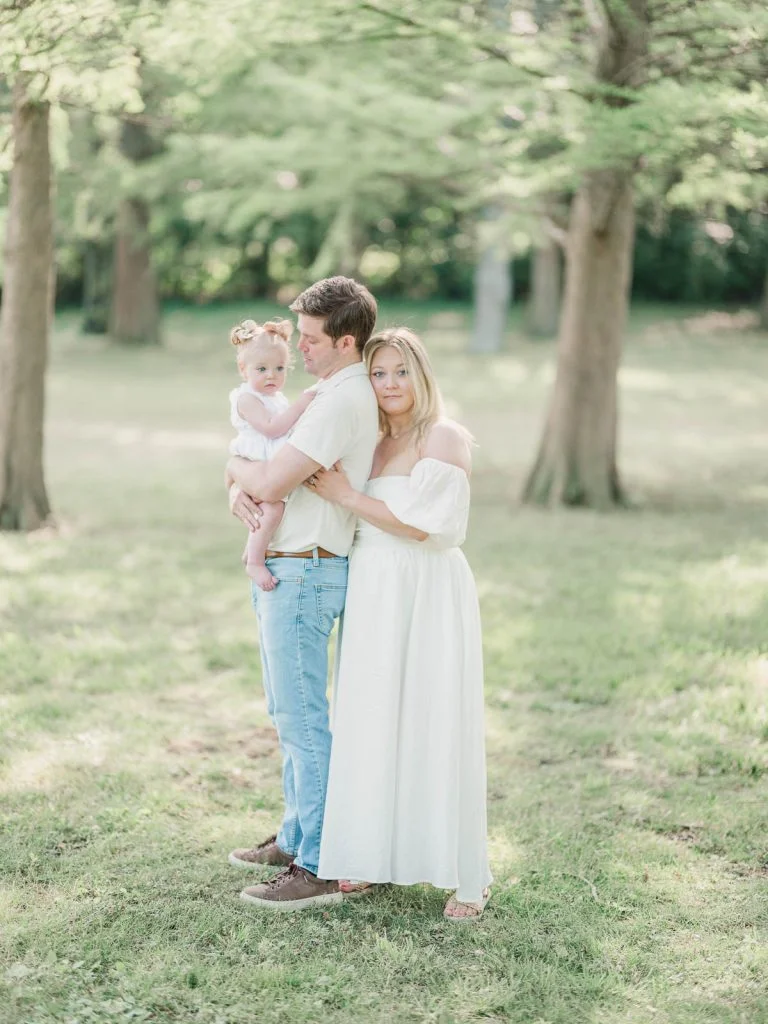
{"x":342,"y":423}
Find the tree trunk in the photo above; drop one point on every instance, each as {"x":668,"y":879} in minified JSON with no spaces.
{"x":85,"y":150}
{"x":135,"y":314}
{"x":544,"y":303}
{"x":97,"y":287}
{"x":576,"y":463}
{"x":493,"y":293}
{"x":341,"y":248}
{"x":493,"y":273}
{"x":764,"y":305}
{"x":25,"y":318}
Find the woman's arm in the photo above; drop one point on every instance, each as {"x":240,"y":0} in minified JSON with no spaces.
{"x":377,"y":514}
{"x":254,"y":412}
{"x":334,"y":485}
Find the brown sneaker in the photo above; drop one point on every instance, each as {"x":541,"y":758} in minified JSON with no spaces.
{"x":293,"y":889}
{"x":267,"y":852}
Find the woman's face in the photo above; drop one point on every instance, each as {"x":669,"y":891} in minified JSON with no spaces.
{"x":393,"y":386}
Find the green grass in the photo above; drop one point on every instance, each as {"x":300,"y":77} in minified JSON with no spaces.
{"x":627,"y":693}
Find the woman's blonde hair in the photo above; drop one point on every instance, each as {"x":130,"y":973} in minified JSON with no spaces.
{"x":427,"y":400}
{"x":248,"y":337}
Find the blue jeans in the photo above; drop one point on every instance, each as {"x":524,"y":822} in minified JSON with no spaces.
{"x":295,"y":622}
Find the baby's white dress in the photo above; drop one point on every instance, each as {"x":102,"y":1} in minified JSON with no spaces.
{"x":406,"y":796}
{"x":249,"y":443}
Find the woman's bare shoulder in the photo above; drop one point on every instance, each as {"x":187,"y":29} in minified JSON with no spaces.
{"x":449,"y":442}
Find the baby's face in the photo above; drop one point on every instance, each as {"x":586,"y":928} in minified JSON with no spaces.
{"x":264,"y":370}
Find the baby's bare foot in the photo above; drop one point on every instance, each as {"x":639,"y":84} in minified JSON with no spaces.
{"x":261,"y":576}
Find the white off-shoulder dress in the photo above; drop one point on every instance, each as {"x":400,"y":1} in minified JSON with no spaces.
{"x":406,"y":798}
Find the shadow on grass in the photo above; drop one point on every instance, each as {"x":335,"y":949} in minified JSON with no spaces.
{"x":627,"y":713}
{"x":627,"y":731}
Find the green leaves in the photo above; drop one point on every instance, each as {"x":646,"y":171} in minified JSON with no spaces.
{"x":73,"y":50}
{"x":270,"y":110}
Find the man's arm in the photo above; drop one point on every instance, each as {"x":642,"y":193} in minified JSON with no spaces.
{"x":320,"y":439}
{"x":272,"y":480}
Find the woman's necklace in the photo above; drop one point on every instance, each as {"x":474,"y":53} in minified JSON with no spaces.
{"x":403,"y":433}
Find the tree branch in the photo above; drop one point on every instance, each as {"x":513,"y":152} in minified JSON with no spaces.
{"x":555,"y":232}
{"x":497,"y":52}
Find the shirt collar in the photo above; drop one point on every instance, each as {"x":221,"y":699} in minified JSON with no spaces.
{"x":353,"y":370}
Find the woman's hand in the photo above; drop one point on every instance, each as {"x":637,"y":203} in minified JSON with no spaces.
{"x":332,"y":484}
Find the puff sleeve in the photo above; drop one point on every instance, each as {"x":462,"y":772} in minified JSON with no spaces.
{"x":436,"y":501}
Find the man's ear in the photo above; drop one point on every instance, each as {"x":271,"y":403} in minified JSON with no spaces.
{"x":346,"y":343}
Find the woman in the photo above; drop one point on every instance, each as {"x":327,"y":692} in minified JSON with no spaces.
{"x":406,"y":792}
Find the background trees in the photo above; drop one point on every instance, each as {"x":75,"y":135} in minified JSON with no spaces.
{"x":26,"y":309}
{"x":428,"y":148}
{"x":45,"y":56}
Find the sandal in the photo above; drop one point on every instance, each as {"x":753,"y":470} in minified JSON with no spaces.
{"x":476,"y":908}
{"x":350,"y":889}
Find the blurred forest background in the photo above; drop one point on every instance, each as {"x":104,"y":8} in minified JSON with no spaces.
{"x":554,"y":154}
{"x":568,"y":199}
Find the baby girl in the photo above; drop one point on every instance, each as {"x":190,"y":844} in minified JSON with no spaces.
{"x":263,"y":418}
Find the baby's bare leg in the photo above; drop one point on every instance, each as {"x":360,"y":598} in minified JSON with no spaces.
{"x":258,"y":543}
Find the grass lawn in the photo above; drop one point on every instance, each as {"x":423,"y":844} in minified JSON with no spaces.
{"x":627,"y":696}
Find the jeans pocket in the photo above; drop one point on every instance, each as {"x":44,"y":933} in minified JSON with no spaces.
{"x":330,"y":599}
{"x":285,"y":569}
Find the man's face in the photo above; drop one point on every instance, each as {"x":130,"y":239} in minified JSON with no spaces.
{"x":317,"y":349}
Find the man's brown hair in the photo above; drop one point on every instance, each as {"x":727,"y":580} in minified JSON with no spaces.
{"x":344,"y":305}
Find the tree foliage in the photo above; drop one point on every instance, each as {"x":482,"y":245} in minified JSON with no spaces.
{"x":42,"y":56}
{"x":279,"y":141}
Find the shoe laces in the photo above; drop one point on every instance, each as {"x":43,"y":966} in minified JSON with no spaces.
{"x":267,"y":842}
{"x":283,"y":877}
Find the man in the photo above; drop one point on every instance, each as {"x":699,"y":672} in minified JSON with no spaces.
{"x":309,"y":559}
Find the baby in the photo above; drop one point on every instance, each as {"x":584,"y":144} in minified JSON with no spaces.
{"x":263,"y":417}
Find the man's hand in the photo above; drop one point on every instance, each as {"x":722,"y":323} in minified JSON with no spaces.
{"x":245,"y":508}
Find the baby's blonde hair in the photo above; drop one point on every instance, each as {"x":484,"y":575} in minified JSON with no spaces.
{"x":249,"y":338}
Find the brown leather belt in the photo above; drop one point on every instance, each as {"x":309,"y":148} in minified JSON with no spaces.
{"x":321,"y":553}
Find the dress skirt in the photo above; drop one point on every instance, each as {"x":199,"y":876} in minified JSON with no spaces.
{"x":406,"y":798}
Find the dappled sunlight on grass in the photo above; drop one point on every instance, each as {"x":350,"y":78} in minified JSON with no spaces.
{"x":507,"y":856}
{"x":709,"y":324}
{"x":627,"y":709}
{"x":510,"y":372}
{"x":43,"y":768}
{"x":731,"y":571}
{"x":123,"y":437}
{"x":643,"y":609}
{"x":636,"y":379}
{"x":27,"y":553}
{"x":716,"y":321}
